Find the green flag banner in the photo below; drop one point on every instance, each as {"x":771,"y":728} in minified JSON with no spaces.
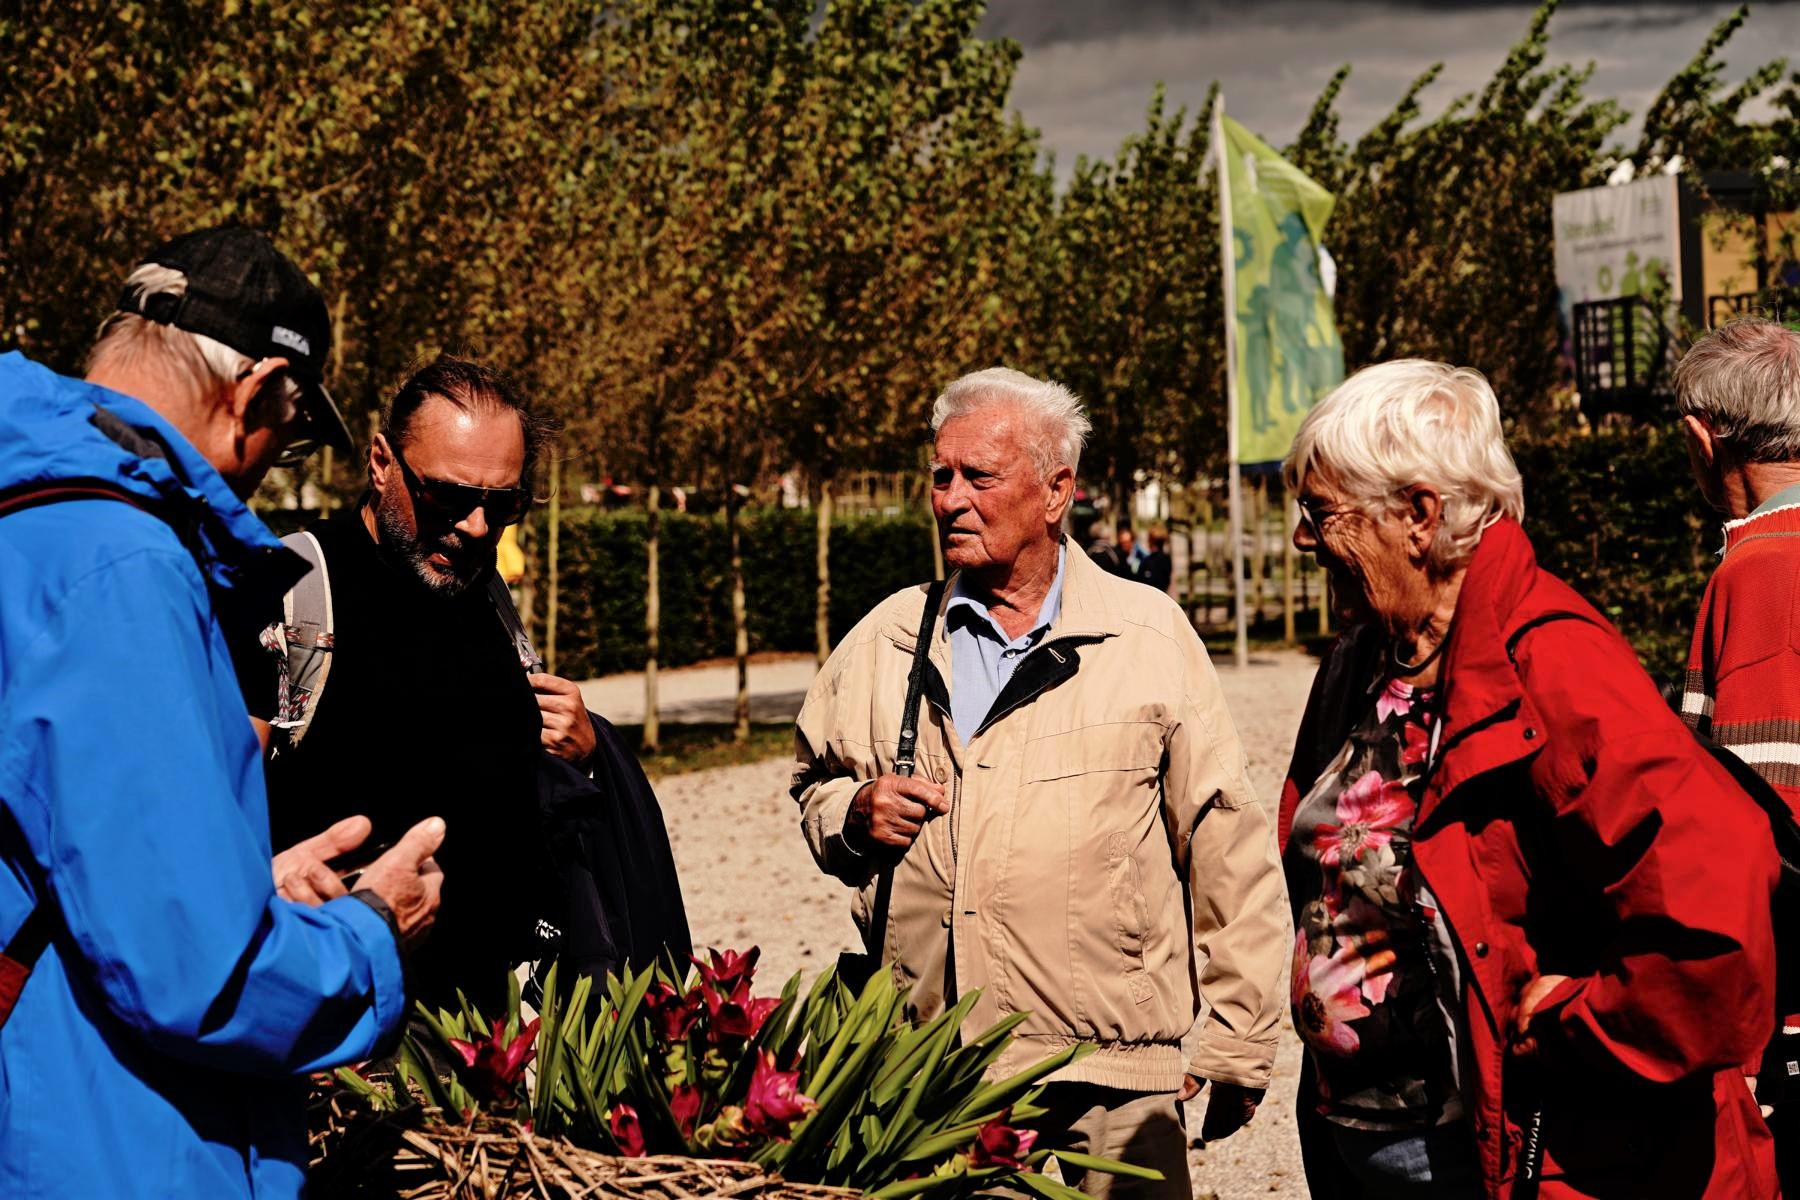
{"x":1288,"y":352}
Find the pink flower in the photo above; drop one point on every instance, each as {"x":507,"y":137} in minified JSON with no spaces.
{"x":493,"y":1068}
{"x":673,"y":1013}
{"x":1000,"y":1145}
{"x":627,"y":1131}
{"x":1370,"y":809}
{"x":737,"y":1015}
{"x":1327,"y":997}
{"x":728,"y":968}
{"x":684,"y":1105}
{"x":1415,"y":743}
{"x":774,"y":1102}
{"x":1396,"y":697}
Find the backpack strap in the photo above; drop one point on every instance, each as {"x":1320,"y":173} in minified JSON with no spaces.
{"x":904,"y":762}
{"x":302,"y":643}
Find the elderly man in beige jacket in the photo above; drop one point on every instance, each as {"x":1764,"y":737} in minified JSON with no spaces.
{"x":1080,"y":841}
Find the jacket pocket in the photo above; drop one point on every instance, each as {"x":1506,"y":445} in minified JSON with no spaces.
{"x":1131,"y":915}
{"x":1130,"y":746}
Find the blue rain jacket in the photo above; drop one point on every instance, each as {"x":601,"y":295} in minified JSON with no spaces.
{"x":161,"y":1045}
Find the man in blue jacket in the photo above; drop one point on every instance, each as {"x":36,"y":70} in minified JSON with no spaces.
{"x":159,"y":1046}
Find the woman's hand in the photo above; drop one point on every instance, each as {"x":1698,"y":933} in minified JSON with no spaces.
{"x":1523,"y":1043}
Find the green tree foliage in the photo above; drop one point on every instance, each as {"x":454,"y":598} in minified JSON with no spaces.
{"x":1442,"y":233}
{"x":1127,"y":305}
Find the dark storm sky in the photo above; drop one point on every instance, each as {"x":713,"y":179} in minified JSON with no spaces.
{"x":1089,"y":65}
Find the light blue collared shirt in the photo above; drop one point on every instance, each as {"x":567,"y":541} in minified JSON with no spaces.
{"x":982,"y":657}
{"x":1787,"y":497}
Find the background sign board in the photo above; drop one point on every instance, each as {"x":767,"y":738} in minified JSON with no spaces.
{"x":1617,"y":241}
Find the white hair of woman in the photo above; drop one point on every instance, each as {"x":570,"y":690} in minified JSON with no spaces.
{"x":1400,"y":424}
{"x":1059,"y":427}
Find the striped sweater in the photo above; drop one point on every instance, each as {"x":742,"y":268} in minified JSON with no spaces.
{"x":1743,"y":676}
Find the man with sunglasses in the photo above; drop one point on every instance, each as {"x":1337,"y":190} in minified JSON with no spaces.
{"x":160,"y":1003}
{"x":427,"y":708}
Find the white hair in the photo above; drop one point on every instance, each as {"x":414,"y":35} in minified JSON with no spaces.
{"x":1060,"y":427}
{"x":1407,"y":422}
{"x":128,"y":338}
{"x":1743,"y":380}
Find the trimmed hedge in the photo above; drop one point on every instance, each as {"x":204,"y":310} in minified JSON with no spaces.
{"x":1617,"y":516}
{"x":600,"y":619}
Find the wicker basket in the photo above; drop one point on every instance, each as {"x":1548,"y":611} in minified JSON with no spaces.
{"x":410,"y":1156}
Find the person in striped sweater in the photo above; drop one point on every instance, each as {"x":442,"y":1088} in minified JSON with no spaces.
{"x":1738,"y":391}
{"x":1739,"y":395}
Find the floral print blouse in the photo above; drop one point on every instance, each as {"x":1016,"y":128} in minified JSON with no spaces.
{"x":1374,"y":972}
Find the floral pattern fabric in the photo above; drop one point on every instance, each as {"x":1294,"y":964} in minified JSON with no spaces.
{"x":1371,"y":954}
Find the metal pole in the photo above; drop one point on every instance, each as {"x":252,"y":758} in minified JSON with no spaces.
{"x":1228,"y":262}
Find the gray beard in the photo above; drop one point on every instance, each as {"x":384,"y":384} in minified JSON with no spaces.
{"x":404,"y":545}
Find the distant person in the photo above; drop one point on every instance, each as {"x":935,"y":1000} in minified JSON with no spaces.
{"x":1131,"y":554}
{"x":1738,"y":391}
{"x":1081,"y":841}
{"x":174,"y":1003}
{"x":1157,"y":569}
{"x":1103,"y":552}
{"x":428,"y":705}
{"x":1525,"y":898}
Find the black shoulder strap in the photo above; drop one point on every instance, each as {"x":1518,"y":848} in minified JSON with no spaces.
{"x":28,"y":942}
{"x":904,"y":761}
{"x":35,"y":494}
{"x":915,"y":681}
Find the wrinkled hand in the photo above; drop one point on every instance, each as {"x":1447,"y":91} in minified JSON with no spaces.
{"x":567,"y":733}
{"x":1229,"y":1107}
{"x":408,"y":880}
{"x":891,"y":810}
{"x":1524,"y":1044}
{"x":300,"y":871}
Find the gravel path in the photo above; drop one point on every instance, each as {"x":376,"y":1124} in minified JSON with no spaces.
{"x":748,"y":879}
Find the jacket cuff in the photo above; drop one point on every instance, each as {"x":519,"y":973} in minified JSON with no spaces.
{"x":1222,"y":1058}
{"x":373,"y":921}
{"x":825,"y":817}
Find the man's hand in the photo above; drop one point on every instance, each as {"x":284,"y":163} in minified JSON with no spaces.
{"x":891,"y":810}
{"x":1523,"y":1043}
{"x":568,"y":733}
{"x":1228,"y":1109}
{"x":408,"y":880}
{"x":300,"y":871}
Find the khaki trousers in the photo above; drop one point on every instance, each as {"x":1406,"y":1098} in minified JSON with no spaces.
{"x":1143,"y":1129}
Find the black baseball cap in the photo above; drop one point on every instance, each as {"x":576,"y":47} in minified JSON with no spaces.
{"x":244,"y":292}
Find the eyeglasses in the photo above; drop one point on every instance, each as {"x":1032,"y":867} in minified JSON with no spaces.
{"x":453,"y":502}
{"x":299,"y":432}
{"x":1314,"y":512}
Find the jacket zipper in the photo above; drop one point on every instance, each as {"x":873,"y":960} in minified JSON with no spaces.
{"x":955,"y":820}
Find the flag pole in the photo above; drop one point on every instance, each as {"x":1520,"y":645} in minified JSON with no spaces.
{"x":1228,"y":262}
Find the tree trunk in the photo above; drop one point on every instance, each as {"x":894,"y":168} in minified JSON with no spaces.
{"x":652,"y":617}
{"x":937,"y":548}
{"x":740,"y":618}
{"x":1256,"y":511}
{"x":555,"y":568}
{"x":1288,"y":567}
{"x":822,"y":610}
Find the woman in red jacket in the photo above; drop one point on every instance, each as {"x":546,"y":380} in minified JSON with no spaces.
{"x":1524,"y":897}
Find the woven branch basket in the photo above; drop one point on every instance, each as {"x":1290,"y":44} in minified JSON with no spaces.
{"x":359,"y":1155}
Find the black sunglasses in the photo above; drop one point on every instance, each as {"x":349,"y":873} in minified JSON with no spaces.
{"x":455,"y":501}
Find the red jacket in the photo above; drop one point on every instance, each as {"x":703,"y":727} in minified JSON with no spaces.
{"x":1572,"y":826}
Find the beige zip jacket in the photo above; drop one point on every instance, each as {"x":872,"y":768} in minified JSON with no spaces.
{"x":1104,"y":866}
